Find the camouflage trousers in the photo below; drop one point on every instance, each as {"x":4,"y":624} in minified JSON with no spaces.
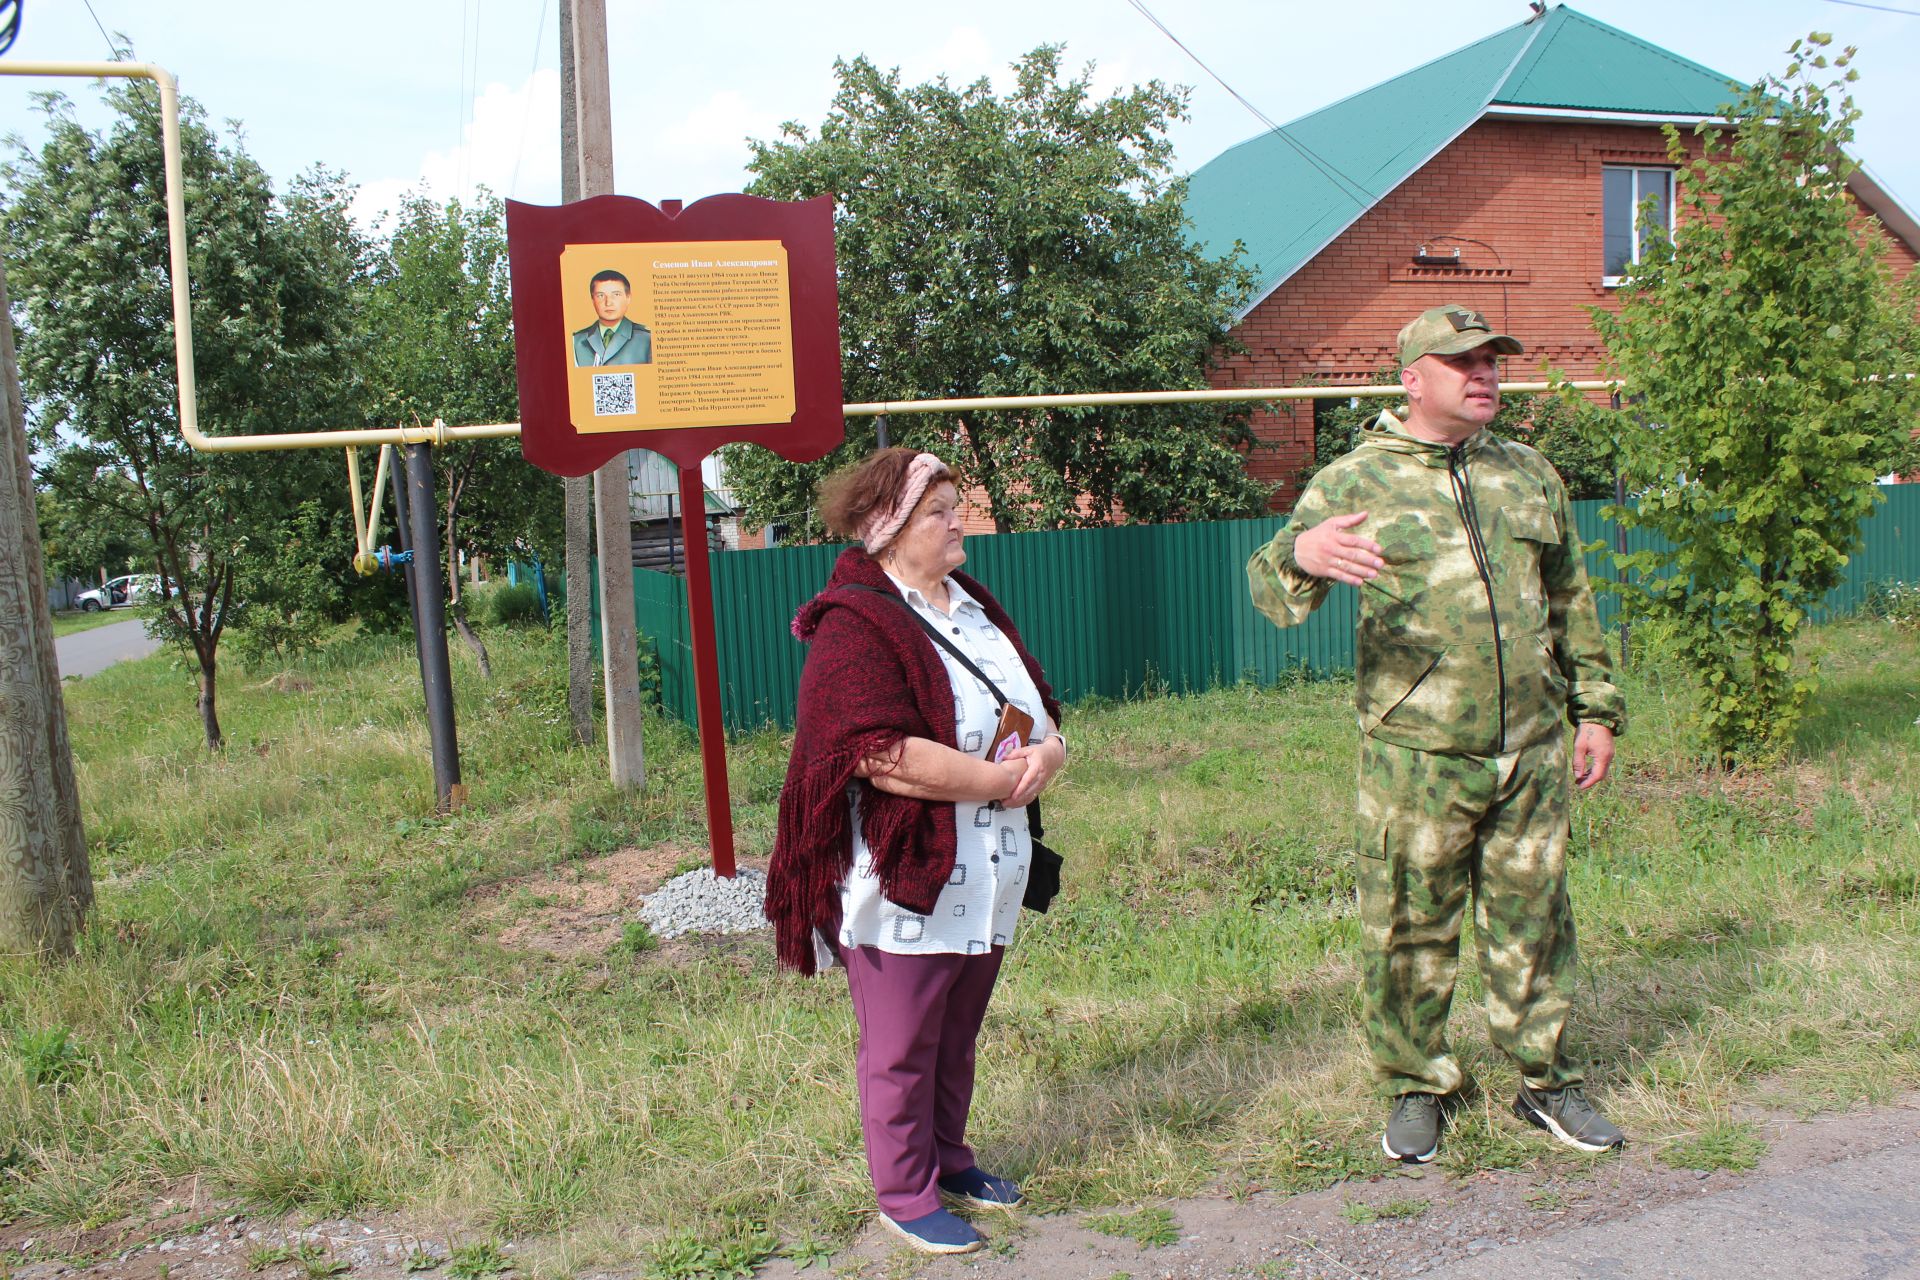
{"x":1431,"y":827}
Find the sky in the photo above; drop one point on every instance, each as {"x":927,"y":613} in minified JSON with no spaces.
{"x":443,"y":94}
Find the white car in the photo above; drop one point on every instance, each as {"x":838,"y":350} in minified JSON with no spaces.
{"x":118,"y":593}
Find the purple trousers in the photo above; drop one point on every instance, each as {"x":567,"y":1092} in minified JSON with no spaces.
{"x":919,"y":1017}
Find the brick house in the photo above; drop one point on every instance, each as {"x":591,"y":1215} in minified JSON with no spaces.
{"x":1505,"y":175}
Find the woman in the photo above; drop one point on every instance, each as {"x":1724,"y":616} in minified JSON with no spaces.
{"x":903,"y":849}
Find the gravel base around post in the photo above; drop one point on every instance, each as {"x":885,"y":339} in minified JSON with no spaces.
{"x":701,"y":902}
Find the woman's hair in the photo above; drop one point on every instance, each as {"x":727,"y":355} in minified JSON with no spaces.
{"x":851,"y":494}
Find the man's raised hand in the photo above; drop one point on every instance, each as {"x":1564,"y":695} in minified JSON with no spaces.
{"x":1328,"y":551}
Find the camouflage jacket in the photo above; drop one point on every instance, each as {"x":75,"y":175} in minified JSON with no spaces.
{"x":1480,"y":633}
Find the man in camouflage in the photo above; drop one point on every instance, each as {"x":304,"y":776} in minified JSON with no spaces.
{"x":1477,"y":634}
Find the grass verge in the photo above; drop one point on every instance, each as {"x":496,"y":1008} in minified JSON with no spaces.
{"x":68,"y":621}
{"x":290,"y":992}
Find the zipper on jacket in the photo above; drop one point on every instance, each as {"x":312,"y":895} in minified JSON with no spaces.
{"x":1476,"y":547}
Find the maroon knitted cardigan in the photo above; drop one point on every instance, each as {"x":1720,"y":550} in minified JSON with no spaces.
{"x":872,"y":678}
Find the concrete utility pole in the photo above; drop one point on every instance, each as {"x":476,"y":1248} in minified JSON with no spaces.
{"x":46,"y":882}
{"x":619,"y":648}
{"x":579,"y":489}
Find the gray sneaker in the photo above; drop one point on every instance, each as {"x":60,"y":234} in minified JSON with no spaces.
{"x":1413,"y":1128}
{"x":1568,"y":1116}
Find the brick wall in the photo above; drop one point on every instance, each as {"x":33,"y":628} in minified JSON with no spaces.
{"x":1530,"y":192}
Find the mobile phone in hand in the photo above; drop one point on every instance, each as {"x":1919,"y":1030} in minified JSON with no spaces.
{"x":1011,"y":733}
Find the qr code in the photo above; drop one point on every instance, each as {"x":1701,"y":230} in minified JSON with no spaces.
{"x":613,"y":395}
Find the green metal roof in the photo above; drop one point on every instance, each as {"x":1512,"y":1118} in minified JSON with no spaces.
{"x":1577,"y":62}
{"x":1287,"y":195}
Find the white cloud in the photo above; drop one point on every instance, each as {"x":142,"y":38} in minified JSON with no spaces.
{"x":685,"y":157}
{"x":510,"y":144}
{"x":375,"y":200}
{"x":698,"y":153}
{"x":963,"y":57}
{"x":722,"y":123}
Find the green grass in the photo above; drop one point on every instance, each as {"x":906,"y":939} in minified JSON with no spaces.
{"x":1149,"y":1228}
{"x":292,"y":989}
{"x":1721,"y":1145}
{"x":472,"y":1261}
{"x":68,"y":621}
{"x":1359,"y":1212}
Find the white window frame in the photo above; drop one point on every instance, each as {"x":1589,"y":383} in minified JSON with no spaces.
{"x":1639,"y":173}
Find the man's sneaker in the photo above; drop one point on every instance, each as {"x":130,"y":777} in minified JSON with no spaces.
{"x":936,"y":1232}
{"x":1568,"y":1116}
{"x":977,"y":1189}
{"x":1413,"y":1128}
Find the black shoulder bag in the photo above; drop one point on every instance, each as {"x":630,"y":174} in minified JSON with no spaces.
{"x":1043,"y":877}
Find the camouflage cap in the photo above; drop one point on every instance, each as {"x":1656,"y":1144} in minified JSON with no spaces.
{"x":1449,"y":330}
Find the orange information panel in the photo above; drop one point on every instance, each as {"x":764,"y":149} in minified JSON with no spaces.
{"x":696,"y":334}
{"x":675,"y":331}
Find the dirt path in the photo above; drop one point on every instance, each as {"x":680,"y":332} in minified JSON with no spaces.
{"x":1346,"y":1231}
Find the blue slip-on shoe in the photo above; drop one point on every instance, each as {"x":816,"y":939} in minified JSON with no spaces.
{"x":978,"y":1189}
{"x":936,"y":1232}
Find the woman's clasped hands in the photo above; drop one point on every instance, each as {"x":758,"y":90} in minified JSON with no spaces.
{"x":1035,"y":766}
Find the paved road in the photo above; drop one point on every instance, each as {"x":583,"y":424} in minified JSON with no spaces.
{"x":1849,"y":1220}
{"x":87,"y":653}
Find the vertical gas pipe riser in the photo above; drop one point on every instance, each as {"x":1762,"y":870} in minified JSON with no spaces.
{"x":403,"y":533}
{"x":436,"y":674}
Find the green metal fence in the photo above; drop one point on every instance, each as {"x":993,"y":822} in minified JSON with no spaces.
{"x":1109,"y":611}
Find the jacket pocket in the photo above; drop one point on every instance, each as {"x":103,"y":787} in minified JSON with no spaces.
{"x":1370,"y":837}
{"x":1532,"y":521}
{"x":1394,"y":676}
{"x":1537,"y":691}
{"x":1445,"y":699}
{"x":1531,"y":532}
{"x":1556,"y":678}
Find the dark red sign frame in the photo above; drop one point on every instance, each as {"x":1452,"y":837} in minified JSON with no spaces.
{"x":536,"y":234}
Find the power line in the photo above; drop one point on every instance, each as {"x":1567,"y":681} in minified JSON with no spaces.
{"x":116,"y":54}
{"x":460,"y":112}
{"x":473,"y":85}
{"x":526,"y":113}
{"x":111,"y":51}
{"x":1860,"y":4}
{"x":1326,"y":167}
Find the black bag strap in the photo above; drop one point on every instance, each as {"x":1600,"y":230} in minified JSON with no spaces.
{"x":1035,"y":827}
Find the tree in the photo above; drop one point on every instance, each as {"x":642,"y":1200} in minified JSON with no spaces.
{"x":1772,"y":366}
{"x":46,"y":880}
{"x":77,"y":543}
{"x":441,"y":319}
{"x":275,"y":345}
{"x":1022,"y":245}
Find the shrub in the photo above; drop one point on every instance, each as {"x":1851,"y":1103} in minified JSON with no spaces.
{"x":1895,"y":602}
{"x":515,"y":605}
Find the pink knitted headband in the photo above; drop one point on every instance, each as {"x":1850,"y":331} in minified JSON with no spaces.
{"x":882,"y":526}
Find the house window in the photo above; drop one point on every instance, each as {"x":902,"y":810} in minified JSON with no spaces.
{"x":1627,"y":231}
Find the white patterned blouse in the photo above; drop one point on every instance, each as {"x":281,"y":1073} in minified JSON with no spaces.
{"x":980,"y":903}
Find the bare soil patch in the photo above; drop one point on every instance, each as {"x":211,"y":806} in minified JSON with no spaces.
{"x":577,"y":909}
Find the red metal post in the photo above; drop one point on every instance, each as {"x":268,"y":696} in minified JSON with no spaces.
{"x":706,"y":668}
